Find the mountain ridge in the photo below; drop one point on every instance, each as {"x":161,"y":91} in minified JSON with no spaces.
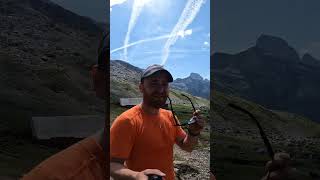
{"x":125,"y":79}
{"x":193,"y":84}
{"x":281,"y":81}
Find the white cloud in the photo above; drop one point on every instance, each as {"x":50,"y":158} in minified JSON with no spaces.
{"x":115,"y":2}
{"x":135,"y":13}
{"x":187,"y":32}
{"x":165,"y":36}
{"x":182,"y":51}
{"x":206,"y":43}
{"x":189,"y":13}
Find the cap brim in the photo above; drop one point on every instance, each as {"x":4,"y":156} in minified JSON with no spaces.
{"x":170,"y":78}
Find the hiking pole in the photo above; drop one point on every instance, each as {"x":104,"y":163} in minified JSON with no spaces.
{"x":263,"y":135}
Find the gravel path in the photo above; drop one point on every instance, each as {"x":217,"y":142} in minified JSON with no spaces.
{"x":194,"y":165}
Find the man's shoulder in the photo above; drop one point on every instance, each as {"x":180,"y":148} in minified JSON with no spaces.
{"x":166,"y":113}
{"x":129,"y":114}
{"x":65,"y":163}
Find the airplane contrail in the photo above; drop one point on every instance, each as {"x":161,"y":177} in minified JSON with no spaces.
{"x":136,"y":10}
{"x":140,"y":41}
{"x":189,"y":13}
{"x":166,"y":36}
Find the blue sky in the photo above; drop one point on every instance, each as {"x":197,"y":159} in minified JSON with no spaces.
{"x":238,"y":24}
{"x":155,"y":27}
{"x":95,"y":10}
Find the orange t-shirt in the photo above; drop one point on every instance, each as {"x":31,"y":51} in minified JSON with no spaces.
{"x":84,"y":160}
{"x":145,"y":141}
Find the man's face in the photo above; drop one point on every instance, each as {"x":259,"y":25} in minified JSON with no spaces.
{"x":155,"y":89}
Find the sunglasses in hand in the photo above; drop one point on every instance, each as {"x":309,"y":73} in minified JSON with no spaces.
{"x":191,"y":121}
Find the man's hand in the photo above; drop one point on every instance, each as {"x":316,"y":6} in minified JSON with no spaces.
{"x":212,"y":177}
{"x":279,"y":168}
{"x":197,"y":127}
{"x":188,"y":142}
{"x":143,"y":175}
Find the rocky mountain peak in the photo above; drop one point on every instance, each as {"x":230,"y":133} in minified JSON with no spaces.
{"x":195,"y":76}
{"x":276,"y":47}
{"x":310,"y":60}
{"x":194,"y":84}
{"x":271,"y":74}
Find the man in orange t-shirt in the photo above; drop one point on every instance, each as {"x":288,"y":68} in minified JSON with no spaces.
{"x":87,"y":159}
{"x":142,"y":138}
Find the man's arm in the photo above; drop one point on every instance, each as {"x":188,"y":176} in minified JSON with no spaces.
{"x":119,"y":171}
{"x":189,"y":141}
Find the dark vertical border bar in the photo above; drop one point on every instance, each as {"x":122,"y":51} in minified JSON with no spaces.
{"x":211,"y":88}
{"x":107,"y":102}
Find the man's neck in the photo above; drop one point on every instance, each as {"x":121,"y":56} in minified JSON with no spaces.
{"x":149,"y":109}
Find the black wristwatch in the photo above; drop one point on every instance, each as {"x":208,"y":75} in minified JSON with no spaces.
{"x":154,"y":177}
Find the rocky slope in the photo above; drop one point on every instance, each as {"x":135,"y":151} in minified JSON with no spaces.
{"x":272,"y":74}
{"x":45,"y":55}
{"x":194,"y":84}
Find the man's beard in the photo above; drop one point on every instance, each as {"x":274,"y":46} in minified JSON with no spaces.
{"x":155,"y":101}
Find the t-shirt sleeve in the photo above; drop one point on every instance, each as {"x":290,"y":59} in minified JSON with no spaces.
{"x":180,"y":134}
{"x":122,"y":137}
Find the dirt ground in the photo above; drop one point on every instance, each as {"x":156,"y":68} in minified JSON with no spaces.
{"x":194,"y":165}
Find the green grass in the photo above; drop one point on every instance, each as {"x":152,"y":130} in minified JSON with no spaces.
{"x":196,"y":100}
{"x":184,"y":113}
{"x":310,"y":128}
{"x":116,"y":110}
{"x":235,"y":157}
{"x":228,"y":171}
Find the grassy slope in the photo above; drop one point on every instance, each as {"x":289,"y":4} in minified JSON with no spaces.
{"x":236,"y":145}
